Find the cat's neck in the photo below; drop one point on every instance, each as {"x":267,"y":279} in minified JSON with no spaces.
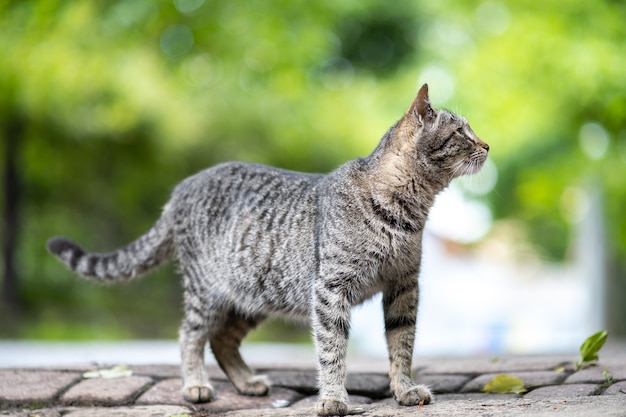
{"x":394,"y":172}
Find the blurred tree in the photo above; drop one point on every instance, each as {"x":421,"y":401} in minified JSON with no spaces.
{"x":121,"y":100}
{"x":115,"y":102}
{"x":13,"y":135}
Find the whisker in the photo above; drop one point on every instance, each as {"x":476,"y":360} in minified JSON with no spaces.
{"x":471,"y":167}
{"x":459,"y":168}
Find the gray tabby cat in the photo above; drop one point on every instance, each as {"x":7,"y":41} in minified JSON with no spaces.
{"x":254,"y":241}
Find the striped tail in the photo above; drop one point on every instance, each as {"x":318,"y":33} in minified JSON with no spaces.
{"x":134,"y":260}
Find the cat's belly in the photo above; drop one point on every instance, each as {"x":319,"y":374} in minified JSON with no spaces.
{"x":271,"y":293}
{"x":264,"y":273}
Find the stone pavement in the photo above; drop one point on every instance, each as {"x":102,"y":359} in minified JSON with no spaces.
{"x":554,"y":388}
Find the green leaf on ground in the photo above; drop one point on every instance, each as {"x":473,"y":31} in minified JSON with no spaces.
{"x":590,"y":348}
{"x":608,"y":378}
{"x":505,"y":384}
{"x":118,"y":371}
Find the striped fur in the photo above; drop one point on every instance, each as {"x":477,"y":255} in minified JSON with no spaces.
{"x":253,"y":241}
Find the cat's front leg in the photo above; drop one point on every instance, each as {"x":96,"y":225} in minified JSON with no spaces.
{"x":400,"y":310}
{"x":331,"y":328}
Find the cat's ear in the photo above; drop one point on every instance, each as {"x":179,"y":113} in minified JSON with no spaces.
{"x":421,"y":108}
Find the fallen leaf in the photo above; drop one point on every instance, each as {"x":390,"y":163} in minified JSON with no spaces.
{"x":590,"y":347}
{"x":505,"y":384}
{"x":118,"y":371}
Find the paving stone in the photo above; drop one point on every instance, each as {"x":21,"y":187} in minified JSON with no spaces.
{"x":531,"y":380}
{"x":478,"y":366}
{"x":310,"y":401}
{"x":173,"y":371}
{"x":595,"y":374}
{"x":389,"y":400}
{"x":462,"y":397}
{"x":33,"y":385}
{"x":225,"y":397}
{"x":305,"y":381}
{"x":609,"y":406}
{"x":73,"y":368}
{"x":470,"y":396}
{"x":617,"y":388}
{"x":369,"y":385}
{"x":45,"y":412}
{"x":301,"y":380}
{"x":135,"y":411}
{"x":106,"y":391}
{"x":65,"y":394}
{"x":164,"y":392}
{"x":443,"y":383}
{"x":563,"y":391}
{"x":158,"y":371}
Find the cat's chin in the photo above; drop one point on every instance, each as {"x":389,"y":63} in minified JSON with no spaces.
{"x":468,"y":168}
{"x":476,"y":164}
{"x":476,"y":167}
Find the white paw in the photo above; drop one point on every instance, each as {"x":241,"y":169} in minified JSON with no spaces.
{"x":198,"y":393}
{"x":256,"y":386}
{"x":331,"y":407}
{"x":415,"y":395}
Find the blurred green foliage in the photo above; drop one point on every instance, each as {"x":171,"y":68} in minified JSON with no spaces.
{"x":117,"y":101}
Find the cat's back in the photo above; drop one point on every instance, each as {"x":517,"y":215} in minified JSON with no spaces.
{"x":238,"y":205}
{"x":242,"y":183}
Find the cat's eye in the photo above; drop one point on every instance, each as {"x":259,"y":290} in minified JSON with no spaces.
{"x":460,"y":131}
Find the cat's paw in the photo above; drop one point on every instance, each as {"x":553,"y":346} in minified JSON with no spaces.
{"x":256,"y":386}
{"x":198,"y":393}
{"x":331,"y":407}
{"x":415,"y":395}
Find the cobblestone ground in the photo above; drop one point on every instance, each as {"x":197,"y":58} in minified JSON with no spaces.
{"x":554,"y":388}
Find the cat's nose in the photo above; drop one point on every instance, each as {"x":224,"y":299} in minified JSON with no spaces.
{"x":486,"y":146}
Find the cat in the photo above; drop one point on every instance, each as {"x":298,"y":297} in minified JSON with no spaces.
{"x":254,"y":241}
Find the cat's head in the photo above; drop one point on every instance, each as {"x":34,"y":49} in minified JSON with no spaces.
{"x":443,"y":141}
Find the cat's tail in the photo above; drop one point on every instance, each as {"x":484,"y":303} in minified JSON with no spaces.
{"x":147,"y":252}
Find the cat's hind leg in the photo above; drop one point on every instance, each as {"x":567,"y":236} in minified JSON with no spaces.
{"x":193,"y":337}
{"x":225,"y":346}
{"x":200,"y":320}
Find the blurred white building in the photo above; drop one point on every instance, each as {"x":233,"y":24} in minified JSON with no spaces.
{"x":498,"y":298}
